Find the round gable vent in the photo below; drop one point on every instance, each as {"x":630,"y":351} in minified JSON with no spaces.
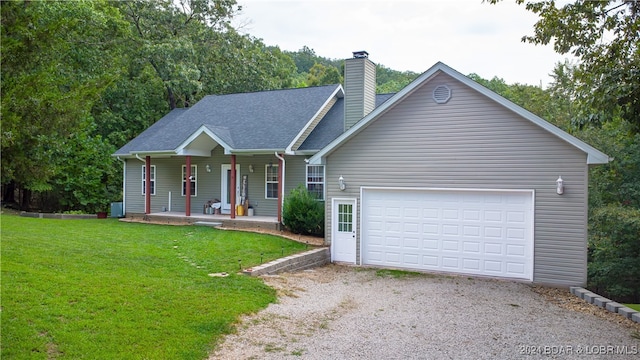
{"x":441,"y":94}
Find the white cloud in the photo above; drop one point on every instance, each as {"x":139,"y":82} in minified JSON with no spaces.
{"x":468,"y":35}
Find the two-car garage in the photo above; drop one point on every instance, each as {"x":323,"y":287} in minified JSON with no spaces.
{"x":479,"y":232}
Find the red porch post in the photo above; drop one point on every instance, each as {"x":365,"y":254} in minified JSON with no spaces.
{"x":188,"y":186}
{"x":232,"y":187}
{"x":147,"y":185}
{"x":280,"y":191}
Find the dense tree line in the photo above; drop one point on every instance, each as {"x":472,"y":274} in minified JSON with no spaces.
{"x":82,"y":78}
{"x":598,"y":100}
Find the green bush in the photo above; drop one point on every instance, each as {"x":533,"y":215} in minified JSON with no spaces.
{"x":303,"y":213}
{"x":614,"y":253}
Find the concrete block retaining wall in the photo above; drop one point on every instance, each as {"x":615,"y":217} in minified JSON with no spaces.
{"x":306,"y":260}
{"x":57,"y":215}
{"x":605,"y":303}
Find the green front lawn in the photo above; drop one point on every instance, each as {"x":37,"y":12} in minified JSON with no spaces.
{"x":635,"y":307}
{"x":103,"y":289}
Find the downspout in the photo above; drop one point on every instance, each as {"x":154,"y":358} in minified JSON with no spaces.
{"x":139,"y":158}
{"x":281,"y":193}
{"x":124,"y":185}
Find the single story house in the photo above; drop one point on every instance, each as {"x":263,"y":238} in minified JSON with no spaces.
{"x":444,"y":175}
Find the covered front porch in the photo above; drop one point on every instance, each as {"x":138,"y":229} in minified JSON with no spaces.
{"x":224,"y":220}
{"x":201,"y":174}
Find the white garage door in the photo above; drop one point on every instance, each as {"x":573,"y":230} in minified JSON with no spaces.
{"x":469,"y":232}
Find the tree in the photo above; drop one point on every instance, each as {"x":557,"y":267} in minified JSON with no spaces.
{"x":391,"y":81}
{"x":57,"y":58}
{"x":323,"y":75}
{"x":169,"y":35}
{"x":532,"y":98}
{"x":604,"y":35}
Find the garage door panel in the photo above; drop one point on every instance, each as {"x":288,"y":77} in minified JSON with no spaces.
{"x":471,"y":231}
{"x":393,"y":242}
{"x":376,"y":257}
{"x":471,"y":247}
{"x":516,"y":217}
{"x":411,"y":243}
{"x":471,"y":215}
{"x":450,"y":263}
{"x":492,"y":232}
{"x":471,"y":264}
{"x":493,"y":216}
{"x":515,"y":268}
{"x":429,"y":261}
{"x":411,"y":259}
{"x":474,"y":232}
{"x":450,"y":245}
{"x":411,"y":228}
{"x":492,"y":248}
{"x":515,"y":250}
{"x":393,"y":258}
{"x":430,"y":229}
{"x":430,"y":244}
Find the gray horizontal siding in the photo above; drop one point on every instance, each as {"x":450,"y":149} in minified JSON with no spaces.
{"x":360,"y":89}
{"x":168,"y":179}
{"x":471,"y":142}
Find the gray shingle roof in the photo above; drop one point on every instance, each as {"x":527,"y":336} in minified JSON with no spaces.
{"x":332,"y":125}
{"x":159,"y":136}
{"x":259,"y":120}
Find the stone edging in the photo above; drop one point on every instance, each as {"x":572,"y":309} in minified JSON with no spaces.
{"x":57,"y":215}
{"x":610,"y":305}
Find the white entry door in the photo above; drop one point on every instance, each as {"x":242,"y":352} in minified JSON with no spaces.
{"x":226,"y":189}
{"x":343,"y":239}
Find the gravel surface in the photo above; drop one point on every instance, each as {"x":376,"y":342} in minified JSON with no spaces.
{"x":338,"y":312}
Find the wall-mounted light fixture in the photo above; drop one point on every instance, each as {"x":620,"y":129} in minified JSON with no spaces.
{"x":208,"y":167}
{"x":341,"y":183}
{"x":250,"y":168}
{"x":560,"y":186}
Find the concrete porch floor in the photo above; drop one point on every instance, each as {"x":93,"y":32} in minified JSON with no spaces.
{"x":179,"y":218}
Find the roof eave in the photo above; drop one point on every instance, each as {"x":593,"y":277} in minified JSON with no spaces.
{"x":338,"y":92}
{"x":255,"y":151}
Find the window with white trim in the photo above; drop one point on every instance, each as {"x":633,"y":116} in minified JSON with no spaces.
{"x":315,"y":181}
{"x":152,"y":179}
{"x":193,"y":182}
{"x":271,"y":182}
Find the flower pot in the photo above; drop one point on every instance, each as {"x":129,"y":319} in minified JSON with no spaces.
{"x":101,"y":214}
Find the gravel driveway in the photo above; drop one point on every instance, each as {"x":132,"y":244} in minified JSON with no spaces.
{"x":337,"y":312}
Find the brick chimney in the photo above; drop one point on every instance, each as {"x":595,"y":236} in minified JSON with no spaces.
{"x":359,"y":88}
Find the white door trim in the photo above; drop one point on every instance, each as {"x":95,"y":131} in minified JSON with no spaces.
{"x":226,"y":207}
{"x":338,"y":252}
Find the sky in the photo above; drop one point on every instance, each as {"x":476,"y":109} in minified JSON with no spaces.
{"x":468,"y":35}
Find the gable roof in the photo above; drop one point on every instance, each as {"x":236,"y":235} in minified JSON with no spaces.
{"x":594,"y":156}
{"x":258,"y":121}
{"x":332,"y":125}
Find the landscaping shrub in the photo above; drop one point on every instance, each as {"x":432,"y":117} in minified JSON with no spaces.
{"x":614,"y":253}
{"x":303,"y":213}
